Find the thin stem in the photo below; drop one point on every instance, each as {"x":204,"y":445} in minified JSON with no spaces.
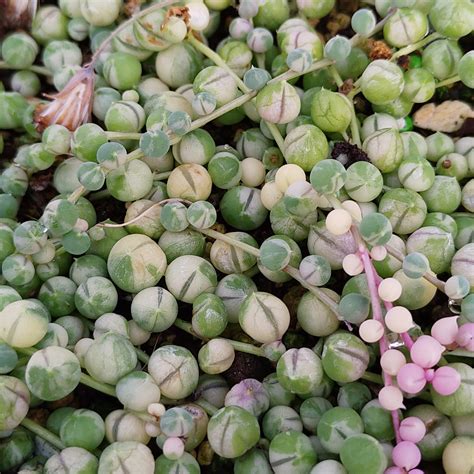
{"x":413,"y":47}
{"x":276,"y":136}
{"x":162,"y":176}
{"x":449,"y":80}
{"x":44,"y":71}
{"x":22,"y":361}
{"x":143,"y":214}
{"x":354,"y":91}
{"x":290,"y":74}
{"x":43,"y":433}
{"x":371,"y":276}
{"x":336,"y":76}
{"x":221,"y":63}
{"x":135,"y":155}
{"x":233,"y":104}
{"x":123,"y":135}
{"x":80,"y":191}
{"x":460,"y":353}
{"x":431,"y":277}
{"x":216,"y":59}
{"x":145,"y":417}
{"x":260,"y":58}
{"x":209,"y":408}
{"x":247,"y":348}
{"x":355,"y":126}
{"x":99,"y":386}
{"x":293,"y":272}
{"x":231,"y":241}
{"x":371,"y":377}
{"x":238,"y":346}
{"x":318,"y":292}
{"x":142,"y":355}
{"x":406,"y":338}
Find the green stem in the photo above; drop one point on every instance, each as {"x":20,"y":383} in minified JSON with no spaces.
{"x":371,"y":377}
{"x":43,"y":433}
{"x":354,"y":91}
{"x":276,"y":136}
{"x":22,"y":361}
{"x":448,"y":81}
{"x":247,"y":348}
{"x":142,"y":356}
{"x":318,"y":292}
{"x":238,"y":346}
{"x":99,"y":386}
{"x":231,"y":241}
{"x":288,"y":75}
{"x":209,"y":408}
{"x":80,"y":191}
{"x":355,"y":129}
{"x":123,"y":135}
{"x":37,"y":69}
{"x":162,"y":176}
{"x":209,"y":53}
{"x":460,"y":353}
{"x":233,"y":104}
{"x":355,"y":134}
{"x":135,"y":155}
{"x":413,"y":47}
{"x":335,"y":75}
{"x":28,"y":351}
{"x":260,"y":58}
{"x":145,"y":417}
{"x":216,"y":59}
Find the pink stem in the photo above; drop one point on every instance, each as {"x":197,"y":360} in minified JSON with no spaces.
{"x":406,"y":338}
{"x":372,"y":284}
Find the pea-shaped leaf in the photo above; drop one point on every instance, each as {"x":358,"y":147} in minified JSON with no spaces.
{"x":155,"y":143}
{"x":53,"y":373}
{"x":91,"y":176}
{"x":275,"y":254}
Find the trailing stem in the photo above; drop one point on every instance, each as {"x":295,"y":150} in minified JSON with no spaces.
{"x":371,"y":276}
{"x":237,"y":345}
{"x":44,"y":71}
{"x":43,"y":433}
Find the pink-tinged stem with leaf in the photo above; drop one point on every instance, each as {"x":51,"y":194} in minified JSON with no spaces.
{"x":373,"y":281}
